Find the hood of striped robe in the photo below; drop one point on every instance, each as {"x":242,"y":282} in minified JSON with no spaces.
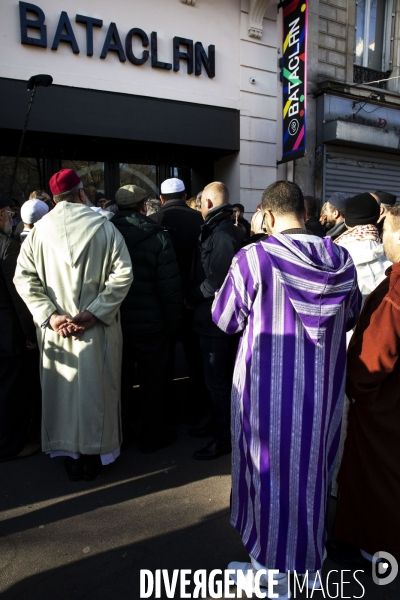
{"x":317,"y":276}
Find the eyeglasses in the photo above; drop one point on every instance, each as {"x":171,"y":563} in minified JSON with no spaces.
{"x":9,"y":212}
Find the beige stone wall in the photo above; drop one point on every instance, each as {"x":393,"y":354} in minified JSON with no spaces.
{"x":330,"y":56}
{"x":336,"y":39}
{"x":255,"y":167}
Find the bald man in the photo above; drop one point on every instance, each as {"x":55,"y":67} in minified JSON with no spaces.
{"x":219,"y":241}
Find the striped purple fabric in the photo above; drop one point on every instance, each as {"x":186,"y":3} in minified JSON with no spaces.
{"x":293,"y":297}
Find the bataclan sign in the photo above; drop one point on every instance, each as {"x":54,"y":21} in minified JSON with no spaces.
{"x":194,"y":55}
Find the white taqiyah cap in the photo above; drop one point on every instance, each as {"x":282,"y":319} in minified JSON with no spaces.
{"x":170,"y":186}
{"x":33,"y":210}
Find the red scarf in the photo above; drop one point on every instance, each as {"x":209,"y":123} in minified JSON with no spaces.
{"x":359,"y":234}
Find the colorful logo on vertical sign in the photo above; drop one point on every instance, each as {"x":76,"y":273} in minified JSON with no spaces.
{"x":294,"y":79}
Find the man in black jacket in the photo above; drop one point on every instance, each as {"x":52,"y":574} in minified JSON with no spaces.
{"x":335,"y":210}
{"x":150,"y":315}
{"x":312,"y":223}
{"x":18,"y":337}
{"x":238,"y":218}
{"x":219,"y":241}
{"x":184,"y":225}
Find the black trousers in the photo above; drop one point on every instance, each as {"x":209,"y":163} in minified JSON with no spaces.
{"x":199,"y":400}
{"x":15,"y":403}
{"x":150,"y":353}
{"x":219,"y":359}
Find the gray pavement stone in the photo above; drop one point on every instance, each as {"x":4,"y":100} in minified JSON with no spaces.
{"x":63,"y":539}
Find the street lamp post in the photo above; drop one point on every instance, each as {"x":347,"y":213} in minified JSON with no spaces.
{"x":33,"y":83}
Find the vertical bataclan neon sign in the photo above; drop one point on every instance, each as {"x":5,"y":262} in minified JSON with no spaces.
{"x":294,"y":78}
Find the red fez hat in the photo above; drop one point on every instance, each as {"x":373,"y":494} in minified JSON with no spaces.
{"x":63,"y":181}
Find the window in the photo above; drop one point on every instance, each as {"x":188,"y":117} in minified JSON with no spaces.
{"x":374,"y":23}
{"x":91,"y":174}
{"x":28,"y":177}
{"x":145,"y":176}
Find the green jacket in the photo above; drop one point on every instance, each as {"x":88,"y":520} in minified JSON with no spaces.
{"x":154,"y":301}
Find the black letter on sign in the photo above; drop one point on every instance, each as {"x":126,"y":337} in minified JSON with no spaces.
{"x":128,"y":46}
{"x":68,"y":37}
{"x":208,"y":61}
{"x":178,"y":41}
{"x":38,"y":24}
{"x":113,"y":43}
{"x":90,"y":23}
{"x":154,"y":55}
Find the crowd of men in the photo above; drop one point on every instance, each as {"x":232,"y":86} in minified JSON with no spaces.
{"x":262,"y":310}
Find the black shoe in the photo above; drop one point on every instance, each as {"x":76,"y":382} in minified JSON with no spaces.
{"x":213,"y":450}
{"x":150,"y":445}
{"x":347,"y":556}
{"x":74,"y":468}
{"x":204,"y":431}
{"x":91,"y":466}
{"x":173,"y":418}
{"x":193,"y":420}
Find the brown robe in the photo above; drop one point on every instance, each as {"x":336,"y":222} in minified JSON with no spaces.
{"x":369,"y":478}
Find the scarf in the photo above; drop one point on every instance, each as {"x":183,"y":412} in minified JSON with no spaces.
{"x":359,"y":234}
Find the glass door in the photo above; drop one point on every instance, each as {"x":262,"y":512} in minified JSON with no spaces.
{"x":144,"y":176}
{"x":28,"y":178}
{"x":91,"y":174}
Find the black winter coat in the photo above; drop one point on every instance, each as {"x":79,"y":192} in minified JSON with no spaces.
{"x":246,"y":225}
{"x":336,"y":231}
{"x":184,"y":225}
{"x":154,"y":301}
{"x":314,"y":226}
{"x":220,"y":240}
{"x":16,"y":322}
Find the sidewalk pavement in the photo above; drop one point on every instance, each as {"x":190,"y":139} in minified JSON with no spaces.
{"x":62,"y":540}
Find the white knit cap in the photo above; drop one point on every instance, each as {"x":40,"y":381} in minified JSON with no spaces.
{"x":170,"y":186}
{"x":33,"y":210}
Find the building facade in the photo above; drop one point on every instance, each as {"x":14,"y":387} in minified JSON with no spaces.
{"x":353,"y":124}
{"x":143,"y":91}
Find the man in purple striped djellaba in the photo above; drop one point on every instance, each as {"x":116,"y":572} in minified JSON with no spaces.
{"x":293,"y":296}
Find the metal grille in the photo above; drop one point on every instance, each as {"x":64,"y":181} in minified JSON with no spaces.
{"x":354,"y":171}
{"x":365,"y":75}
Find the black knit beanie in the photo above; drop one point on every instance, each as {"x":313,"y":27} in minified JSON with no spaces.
{"x":386,"y":198}
{"x":362,"y":209}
